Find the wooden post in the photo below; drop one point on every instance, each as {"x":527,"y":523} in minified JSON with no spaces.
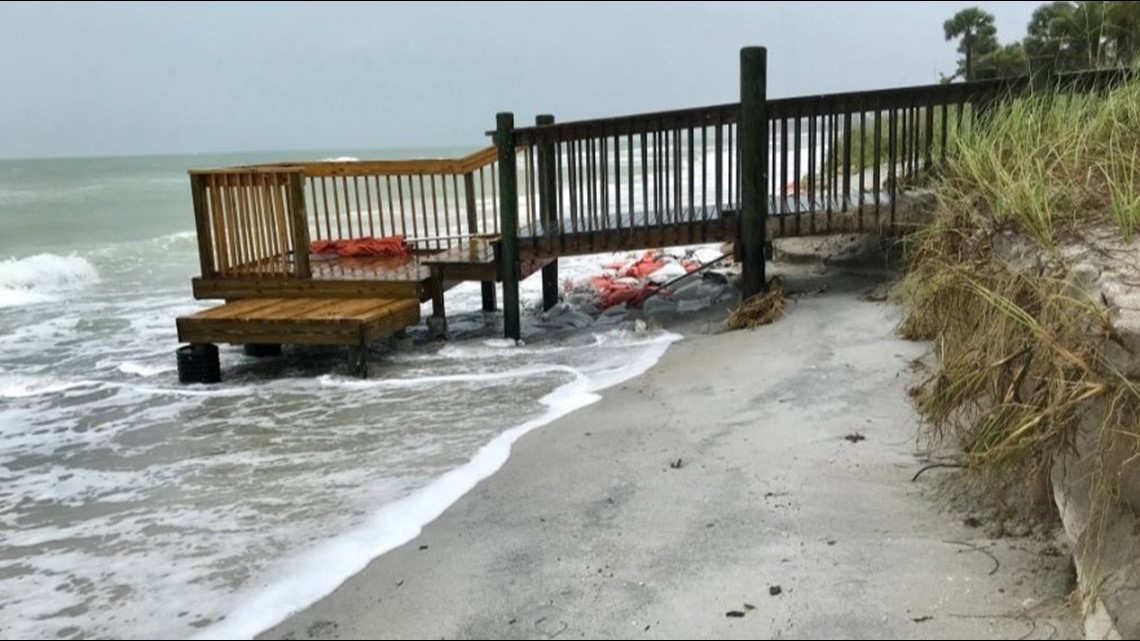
{"x":548,"y":212}
{"x":509,"y":224}
{"x":753,"y":167}
{"x":202,"y":225}
{"x":473,"y":229}
{"x":300,"y":222}
{"x":358,"y":361}
{"x":437,"y":322}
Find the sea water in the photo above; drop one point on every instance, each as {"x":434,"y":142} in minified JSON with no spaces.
{"x":135,"y":507}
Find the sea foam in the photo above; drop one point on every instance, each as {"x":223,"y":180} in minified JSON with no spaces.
{"x":42,"y":277}
{"x":316,"y":573}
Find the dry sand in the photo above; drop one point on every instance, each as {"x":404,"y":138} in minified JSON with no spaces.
{"x":722,"y":476}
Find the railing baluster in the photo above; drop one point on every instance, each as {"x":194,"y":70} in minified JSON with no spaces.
{"x":439,"y":230}
{"x":359,"y":209}
{"x":862,"y":164}
{"x":892,"y":170}
{"x":495,"y":194}
{"x":604,"y":186}
{"x":617,"y":185}
{"x":427,"y":232}
{"x":403,"y":210}
{"x":336,"y":204}
{"x":799,"y":170}
{"x":631,"y":193}
{"x":692,"y":186}
{"x":645,"y":183}
{"x":781,"y":142}
{"x":572,"y":169}
{"x":848,"y":142}
{"x":562,"y":168}
{"x":396,"y":230}
{"x":459,"y":226}
{"x":812,"y":135}
{"x":944,"y":136}
{"x":718,"y":170}
{"x":368,"y":201}
{"x":704,"y":182}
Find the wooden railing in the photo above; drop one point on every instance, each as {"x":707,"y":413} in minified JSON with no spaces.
{"x":618,"y":179}
{"x":252,"y":219}
{"x":746,"y":171}
{"x":675,"y":175}
{"x":432,"y":202}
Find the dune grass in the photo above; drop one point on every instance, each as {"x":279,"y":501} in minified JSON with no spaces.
{"x":1021,"y":348}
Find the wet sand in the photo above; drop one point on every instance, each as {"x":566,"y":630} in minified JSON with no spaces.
{"x":753,"y":484}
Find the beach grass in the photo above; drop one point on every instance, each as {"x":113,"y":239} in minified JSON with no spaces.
{"x":1021,"y":348}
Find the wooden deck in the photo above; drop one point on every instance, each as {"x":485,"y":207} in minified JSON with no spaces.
{"x":332,"y":277}
{"x":303,"y":321}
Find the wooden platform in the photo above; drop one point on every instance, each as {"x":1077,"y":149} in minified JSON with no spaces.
{"x":333,"y":277}
{"x":303,"y":321}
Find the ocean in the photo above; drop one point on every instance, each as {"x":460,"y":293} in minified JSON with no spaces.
{"x":132,"y":506}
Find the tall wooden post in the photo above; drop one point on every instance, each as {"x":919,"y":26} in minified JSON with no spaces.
{"x":509,"y":224}
{"x":473,"y":229}
{"x":548,"y":211}
{"x":753,"y":167}
{"x":296,"y":204}
{"x":202,"y":224}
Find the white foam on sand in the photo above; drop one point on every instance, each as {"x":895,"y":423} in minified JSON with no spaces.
{"x":315,"y":574}
{"x":28,"y":386}
{"x":145,"y":369}
{"x":42,"y":277}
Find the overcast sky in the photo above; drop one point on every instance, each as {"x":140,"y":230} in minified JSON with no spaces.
{"x":108,"y":78}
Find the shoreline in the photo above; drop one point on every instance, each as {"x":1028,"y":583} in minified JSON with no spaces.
{"x":701,"y":486}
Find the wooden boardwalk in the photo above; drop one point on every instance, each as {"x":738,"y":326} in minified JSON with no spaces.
{"x":745,"y":172}
{"x":355,"y":323}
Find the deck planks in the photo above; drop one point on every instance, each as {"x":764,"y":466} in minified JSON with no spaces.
{"x":306,"y":321}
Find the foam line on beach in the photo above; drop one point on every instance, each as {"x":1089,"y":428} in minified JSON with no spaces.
{"x":318,"y":572}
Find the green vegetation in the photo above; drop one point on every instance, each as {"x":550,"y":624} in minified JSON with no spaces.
{"x":1048,"y":164}
{"x":1021,"y":347}
{"x":1061,"y":36}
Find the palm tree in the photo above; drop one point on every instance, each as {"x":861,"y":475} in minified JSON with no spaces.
{"x":1046,"y":42}
{"x":1086,"y":31}
{"x":1122,"y":23}
{"x":1005,"y":61}
{"x":978,"y":36}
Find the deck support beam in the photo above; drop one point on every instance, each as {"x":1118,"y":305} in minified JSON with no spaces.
{"x":489,"y":295}
{"x":550,"y":285}
{"x":358,"y":361}
{"x":753,"y":168}
{"x":548,"y":210}
{"x":437,"y":322}
{"x":509,"y":224}
{"x":262,"y":350}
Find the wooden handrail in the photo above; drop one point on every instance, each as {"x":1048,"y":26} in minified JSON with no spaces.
{"x":401,"y":167}
{"x":803,"y":106}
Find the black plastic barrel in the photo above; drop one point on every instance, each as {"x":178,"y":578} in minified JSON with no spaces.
{"x":198,"y":363}
{"x":261,"y":350}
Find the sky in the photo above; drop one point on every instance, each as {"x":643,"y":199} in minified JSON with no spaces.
{"x":99,"y":78}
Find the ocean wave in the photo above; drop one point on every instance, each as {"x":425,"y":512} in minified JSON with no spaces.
{"x":145,"y":369}
{"x":40,"y":278}
{"x":341,"y":159}
{"x":29,"y":386}
{"x":317,"y":572}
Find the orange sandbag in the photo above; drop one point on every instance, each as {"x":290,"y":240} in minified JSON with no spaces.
{"x":618,"y":293}
{"x":644,"y":266}
{"x":366,"y":246}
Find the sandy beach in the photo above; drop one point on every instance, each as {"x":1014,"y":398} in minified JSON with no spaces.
{"x":753,"y":484}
